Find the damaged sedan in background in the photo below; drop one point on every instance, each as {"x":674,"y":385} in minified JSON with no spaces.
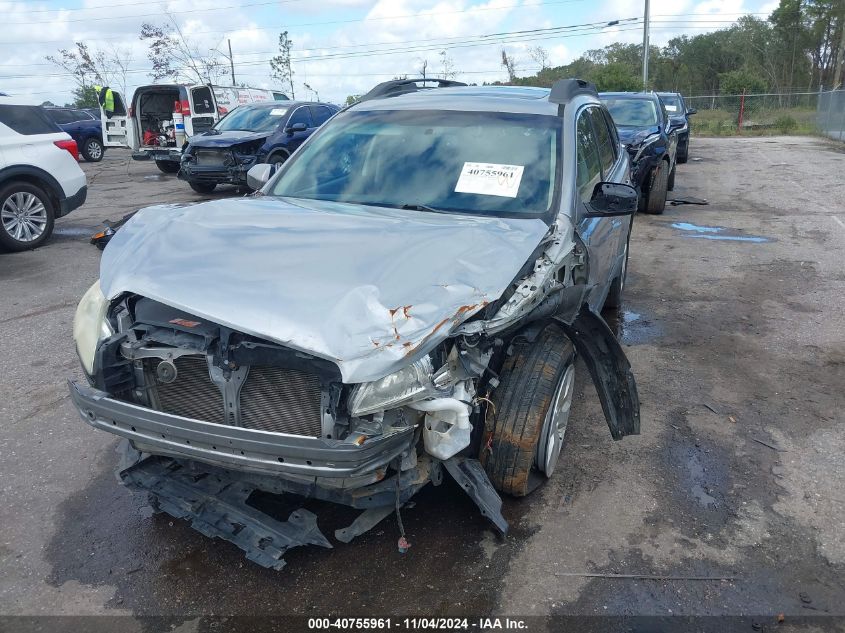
{"x":404,"y":298}
{"x":250,"y":134}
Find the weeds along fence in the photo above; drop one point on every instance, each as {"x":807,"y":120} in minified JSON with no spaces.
{"x":830,"y":114}
{"x":763,"y":113}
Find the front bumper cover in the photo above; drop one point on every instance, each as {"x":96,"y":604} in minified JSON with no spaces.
{"x":235,"y":447}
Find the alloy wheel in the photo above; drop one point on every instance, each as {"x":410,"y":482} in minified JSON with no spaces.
{"x":24,"y":216}
{"x":557,"y":419}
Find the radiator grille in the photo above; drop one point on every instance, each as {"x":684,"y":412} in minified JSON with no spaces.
{"x":192,"y":394}
{"x":281,"y":400}
{"x":272,"y":398}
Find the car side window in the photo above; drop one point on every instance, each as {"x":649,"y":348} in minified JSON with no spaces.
{"x":300,"y":115}
{"x":203,"y":102}
{"x":588,"y":159}
{"x":614,"y":133}
{"x":607,"y":151}
{"x":320,"y":114}
{"x":27,"y":119}
{"x":62,"y":117}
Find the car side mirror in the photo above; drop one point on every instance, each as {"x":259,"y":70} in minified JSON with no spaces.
{"x":296,"y":127}
{"x":612,"y":199}
{"x":691,"y":111}
{"x":259,"y":174}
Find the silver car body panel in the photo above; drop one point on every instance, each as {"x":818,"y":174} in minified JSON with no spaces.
{"x":367,"y":288}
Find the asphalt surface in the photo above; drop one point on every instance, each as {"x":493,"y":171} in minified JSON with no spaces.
{"x":738,"y":346}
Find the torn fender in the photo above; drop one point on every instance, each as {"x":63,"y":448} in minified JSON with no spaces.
{"x":610,"y":370}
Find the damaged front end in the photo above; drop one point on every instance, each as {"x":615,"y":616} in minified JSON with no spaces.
{"x":215,"y":165}
{"x":213,"y":413}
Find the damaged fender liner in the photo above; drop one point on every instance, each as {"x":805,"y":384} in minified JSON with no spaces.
{"x":610,"y":370}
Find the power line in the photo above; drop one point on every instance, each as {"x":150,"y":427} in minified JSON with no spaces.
{"x":326,"y":23}
{"x":500,"y":38}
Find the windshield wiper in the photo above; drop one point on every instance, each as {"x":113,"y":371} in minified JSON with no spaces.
{"x":422,"y":207}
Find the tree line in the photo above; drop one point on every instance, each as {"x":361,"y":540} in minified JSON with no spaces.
{"x":801,"y":46}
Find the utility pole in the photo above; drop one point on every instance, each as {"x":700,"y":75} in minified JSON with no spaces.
{"x":840,"y":58}
{"x":645,"y":48}
{"x":232,"y":61}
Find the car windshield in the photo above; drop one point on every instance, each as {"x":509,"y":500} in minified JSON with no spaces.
{"x":632,"y":112}
{"x":487,"y":163}
{"x":673,"y":104}
{"x":251,"y":119}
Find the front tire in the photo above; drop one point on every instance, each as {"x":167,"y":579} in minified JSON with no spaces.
{"x":203,"y":187}
{"x":659,"y":188}
{"x":168,"y":166}
{"x":27,"y":214}
{"x":525,"y":427}
{"x":92,"y":150}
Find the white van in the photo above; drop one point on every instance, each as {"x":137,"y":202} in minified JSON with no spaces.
{"x":150,"y":125}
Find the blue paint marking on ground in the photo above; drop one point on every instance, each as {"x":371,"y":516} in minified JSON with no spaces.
{"x":686,"y":226}
{"x":716,"y":233}
{"x":732,"y":238}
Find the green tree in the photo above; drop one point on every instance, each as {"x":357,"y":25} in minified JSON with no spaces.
{"x":738,"y":81}
{"x":615,"y":77}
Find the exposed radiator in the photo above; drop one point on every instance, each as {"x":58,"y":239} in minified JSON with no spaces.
{"x":272,"y":398}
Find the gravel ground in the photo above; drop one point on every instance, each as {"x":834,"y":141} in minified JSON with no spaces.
{"x":738,"y":346}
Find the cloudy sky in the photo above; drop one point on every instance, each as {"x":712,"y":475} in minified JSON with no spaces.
{"x":341,"y":47}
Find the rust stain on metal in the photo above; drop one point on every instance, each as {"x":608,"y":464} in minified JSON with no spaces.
{"x":456,"y":318}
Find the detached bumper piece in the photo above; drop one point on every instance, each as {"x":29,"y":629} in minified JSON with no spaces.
{"x":216,"y":506}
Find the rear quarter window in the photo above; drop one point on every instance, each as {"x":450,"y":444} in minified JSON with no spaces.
{"x":27,"y":120}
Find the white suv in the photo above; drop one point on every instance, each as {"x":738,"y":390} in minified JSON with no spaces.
{"x":40,"y":178}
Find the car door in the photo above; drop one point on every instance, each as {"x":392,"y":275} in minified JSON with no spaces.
{"x":300,"y":115}
{"x":598,"y":159}
{"x":116,"y":127}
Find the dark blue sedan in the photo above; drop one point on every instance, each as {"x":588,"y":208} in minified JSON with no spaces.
{"x":250,"y":134}
{"x":652,"y":143}
{"x":84,"y":127}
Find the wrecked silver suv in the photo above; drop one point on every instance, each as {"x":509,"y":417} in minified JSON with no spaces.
{"x":406,"y":296}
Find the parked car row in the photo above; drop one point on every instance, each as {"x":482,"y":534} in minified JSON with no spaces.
{"x":655,"y":130}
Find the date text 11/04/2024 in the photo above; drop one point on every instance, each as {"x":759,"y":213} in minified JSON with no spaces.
{"x":417,"y":624}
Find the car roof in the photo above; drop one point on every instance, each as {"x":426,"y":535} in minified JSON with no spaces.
{"x":515,"y":99}
{"x":17,"y":101}
{"x":650,"y":96}
{"x":282,"y":104}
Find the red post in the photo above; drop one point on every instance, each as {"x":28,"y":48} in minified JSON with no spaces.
{"x":741,"y":111}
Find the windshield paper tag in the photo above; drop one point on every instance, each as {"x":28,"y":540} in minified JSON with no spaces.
{"x":278,"y":111}
{"x":671,"y":108}
{"x":490,"y":179}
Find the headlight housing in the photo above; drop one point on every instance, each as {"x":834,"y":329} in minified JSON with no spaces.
{"x":90,"y":325}
{"x":406,"y":385}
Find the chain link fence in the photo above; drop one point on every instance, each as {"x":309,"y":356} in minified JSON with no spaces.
{"x":765,"y":113}
{"x":830,"y":114}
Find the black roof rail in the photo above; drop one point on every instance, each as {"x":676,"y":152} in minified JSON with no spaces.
{"x":563,"y":90}
{"x":401,"y":86}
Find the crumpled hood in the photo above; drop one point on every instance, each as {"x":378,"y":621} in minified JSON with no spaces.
{"x":635,"y":135}
{"x":226,"y":139}
{"x":368,"y":288}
